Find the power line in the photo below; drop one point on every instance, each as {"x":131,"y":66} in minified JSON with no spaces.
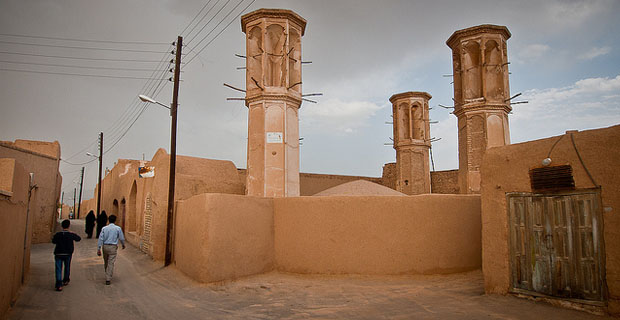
{"x":77,"y":47}
{"x":221,"y":31}
{"x":198,"y":14}
{"x":134,"y":106}
{"x":208,"y":22}
{"x":202,"y":19}
{"x":75,"y":74}
{"x":78,"y":58}
{"x":82,"y":40}
{"x":74,"y":66}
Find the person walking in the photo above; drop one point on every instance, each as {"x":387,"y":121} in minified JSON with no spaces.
{"x":108,"y":240}
{"x":63,"y":252}
{"x":90,"y":223}
{"x":102,"y":220}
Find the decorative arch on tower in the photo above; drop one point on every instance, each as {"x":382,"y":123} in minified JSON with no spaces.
{"x":472,"y":76}
{"x":275,"y":48}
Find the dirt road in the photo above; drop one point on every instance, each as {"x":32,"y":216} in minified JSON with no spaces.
{"x":142,"y":289}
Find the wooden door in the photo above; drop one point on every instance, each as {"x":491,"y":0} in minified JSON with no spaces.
{"x":556,"y":246}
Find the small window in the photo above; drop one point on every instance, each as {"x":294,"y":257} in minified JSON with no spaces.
{"x":553,"y":178}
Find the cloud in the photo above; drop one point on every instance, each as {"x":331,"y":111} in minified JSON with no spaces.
{"x":595,"y":52}
{"x":337,"y":116}
{"x":588,"y":103}
{"x":532,"y":52}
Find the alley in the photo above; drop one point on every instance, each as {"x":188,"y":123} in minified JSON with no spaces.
{"x":142,"y":289}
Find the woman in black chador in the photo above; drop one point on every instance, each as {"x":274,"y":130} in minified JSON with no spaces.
{"x":90,"y":223}
{"x":102,"y":220}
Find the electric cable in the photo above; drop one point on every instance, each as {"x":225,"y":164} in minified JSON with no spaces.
{"x":198,"y":14}
{"x":82,"y":40}
{"x":74,"y":66}
{"x":207,"y":14}
{"x":78,"y":58}
{"x":208,"y":22}
{"x":221,"y":31}
{"x":75,"y":74}
{"x":77,"y":47}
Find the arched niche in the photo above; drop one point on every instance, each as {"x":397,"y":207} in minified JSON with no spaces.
{"x":115,"y":210}
{"x":456,"y":76}
{"x":122,"y":213}
{"x":275,"y":49}
{"x":294,"y":59}
{"x":254,"y":59}
{"x":417,"y":114}
{"x":495,"y":131}
{"x":494,"y":85}
{"x":404,"y":124}
{"x":132,"y":208}
{"x":472,"y":80}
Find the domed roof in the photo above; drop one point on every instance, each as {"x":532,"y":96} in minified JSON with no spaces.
{"x":359,"y":188}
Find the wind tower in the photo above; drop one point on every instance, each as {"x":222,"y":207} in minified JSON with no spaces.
{"x":412,"y":141}
{"x":481,"y":96}
{"x":273,"y":97}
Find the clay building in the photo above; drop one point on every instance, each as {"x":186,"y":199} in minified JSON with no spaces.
{"x":552,"y":229}
{"x":29,"y":192}
{"x":231,"y":222}
{"x":42,"y":159}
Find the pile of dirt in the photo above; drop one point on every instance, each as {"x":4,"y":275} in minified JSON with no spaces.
{"x":359,"y":188}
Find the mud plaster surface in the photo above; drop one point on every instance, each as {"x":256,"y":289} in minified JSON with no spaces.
{"x":142,"y":289}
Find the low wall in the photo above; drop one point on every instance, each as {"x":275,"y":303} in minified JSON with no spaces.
{"x":14,"y":183}
{"x":222,"y":237}
{"x":424,"y":234}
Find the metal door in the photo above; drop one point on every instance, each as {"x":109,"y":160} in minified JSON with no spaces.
{"x":556,"y":246}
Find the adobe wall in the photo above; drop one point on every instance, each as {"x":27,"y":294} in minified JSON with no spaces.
{"x":423,"y":234}
{"x":144,"y":213}
{"x":14,"y":184}
{"x":445,"y":182}
{"x":388,"y":176}
{"x":224,"y":237}
{"x":505,"y":169}
{"x":46,"y":196}
{"x":313,"y":183}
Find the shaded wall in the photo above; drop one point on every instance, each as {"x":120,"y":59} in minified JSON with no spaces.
{"x":445,"y":182}
{"x":424,"y":234}
{"x":223,"y":237}
{"x":313,"y":183}
{"x":505,"y":169}
{"x":15,"y":230}
{"x":42,"y":159}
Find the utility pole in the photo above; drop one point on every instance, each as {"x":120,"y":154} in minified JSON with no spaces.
{"x":99,"y":180}
{"x":74,"y":191}
{"x":173,"y":152}
{"x":80,"y":200}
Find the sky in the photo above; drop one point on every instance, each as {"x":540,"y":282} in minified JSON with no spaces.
{"x":564,"y":59}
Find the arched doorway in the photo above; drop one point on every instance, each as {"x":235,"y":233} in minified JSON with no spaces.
{"x":122,"y":213}
{"x":132,"y":209}
{"x":114,"y":210}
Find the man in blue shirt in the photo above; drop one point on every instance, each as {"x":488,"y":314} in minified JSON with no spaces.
{"x":108,"y":239}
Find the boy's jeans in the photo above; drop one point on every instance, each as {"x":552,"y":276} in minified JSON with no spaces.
{"x":60,"y":260}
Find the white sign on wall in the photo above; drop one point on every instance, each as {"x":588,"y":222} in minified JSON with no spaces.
{"x":274,"y":137}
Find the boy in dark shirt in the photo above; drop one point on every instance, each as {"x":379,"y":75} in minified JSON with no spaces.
{"x":63,"y":252}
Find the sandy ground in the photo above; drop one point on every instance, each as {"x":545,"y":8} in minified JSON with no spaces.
{"x":142,"y":289}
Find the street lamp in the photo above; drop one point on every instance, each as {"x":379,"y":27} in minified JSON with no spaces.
{"x":171,"y":179}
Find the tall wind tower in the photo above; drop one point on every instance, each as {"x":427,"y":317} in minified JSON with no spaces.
{"x":273,"y":97}
{"x":412,"y":141}
{"x":481,"y":96}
